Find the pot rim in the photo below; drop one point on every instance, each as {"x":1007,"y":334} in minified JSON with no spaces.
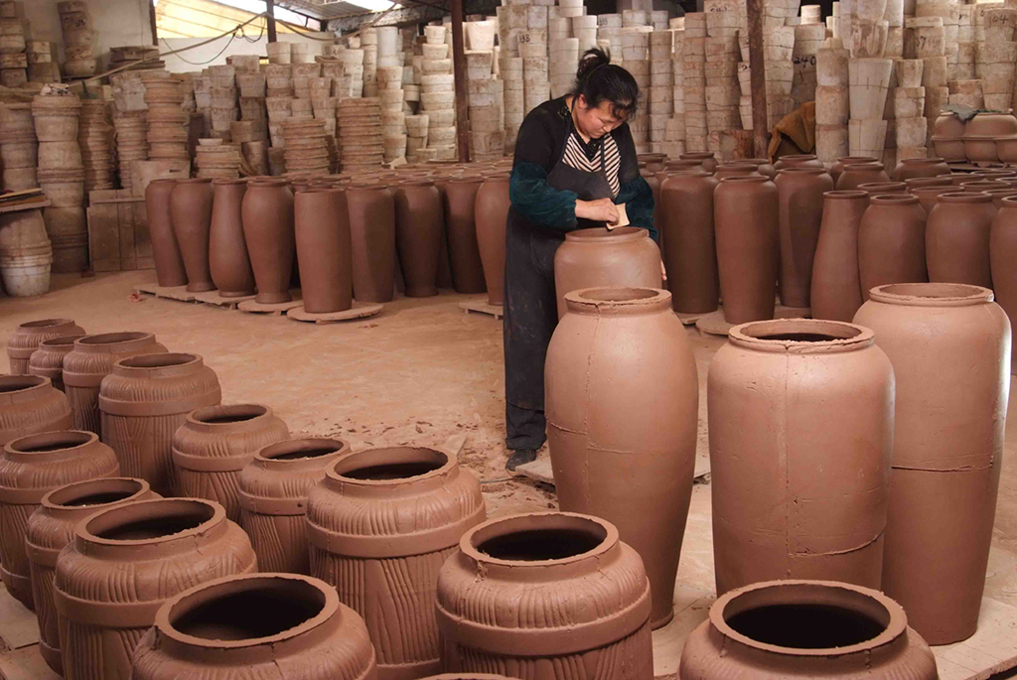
{"x":845,"y":194}
{"x":855,"y":160}
{"x":45,"y":323}
{"x":937,"y":181}
{"x":156,"y":361}
{"x":890,"y":187}
{"x":865,"y":165}
{"x":753,"y":179}
{"x":85,"y":530}
{"x":697,"y":156}
{"x":99,"y":341}
{"x":617,"y":299}
{"x":195,"y":180}
{"x":924,"y":161}
{"x":964,"y":197}
{"x":599,"y":235}
{"x":60,"y":341}
{"x":843,"y":336}
{"x":1010,"y":201}
{"x":293,"y":445}
{"x":894,"y":199}
{"x":58,"y":498}
{"x":22,"y":384}
{"x":222,"y":181}
{"x":75,"y":440}
{"x":803,"y":171}
{"x":949,"y":294}
{"x":502,"y":526}
{"x":255,"y":412}
{"x":389,"y":455}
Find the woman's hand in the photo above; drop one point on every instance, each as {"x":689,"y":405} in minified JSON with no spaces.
{"x":600,"y":210}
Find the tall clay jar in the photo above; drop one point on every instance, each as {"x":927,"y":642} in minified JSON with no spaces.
{"x":159,"y":548}
{"x":806,"y":628}
{"x":957,"y":239}
{"x":950,"y":349}
{"x":891,"y":243}
{"x":746,"y":217}
{"x":801,"y":192}
{"x":910,"y":168}
{"x":855,"y":174}
{"x":48,"y":359}
{"x":801,"y":425}
{"x":1002,"y":254}
{"x":689,"y":249}
{"x":214,"y":444}
{"x":322,"y":226}
{"x":373,"y":234}
{"x":418,"y":227}
{"x":799,"y":160}
{"x":259,"y":625}
{"x":143,"y":402}
{"x":273,"y":499}
{"x":538,"y":595}
{"x":622,"y":400}
{"x":836,"y":291}
{"x":492,"y":208}
{"x":705,"y":158}
{"x":928,"y":195}
{"x":267,"y":214}
{"x":625,"y":256}
{"x":29,"y":335}
{"x":31,"y":467}
{"x":837,"y":168}
{"x":380,"y":525}
{"x":191,"y":212}
{"x":30,"y":404}
{"x":460,"y":221}
{"x":51,"y":528}
{"x":169,"y":263}
{"x":228,"y":260}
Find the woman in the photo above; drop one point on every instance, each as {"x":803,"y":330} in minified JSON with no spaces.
{"x":575,"y":162}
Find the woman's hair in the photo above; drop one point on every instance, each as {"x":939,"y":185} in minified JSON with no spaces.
{"x":598,"y":80}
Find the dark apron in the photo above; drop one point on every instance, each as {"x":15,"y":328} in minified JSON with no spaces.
{"x":531,"y":309}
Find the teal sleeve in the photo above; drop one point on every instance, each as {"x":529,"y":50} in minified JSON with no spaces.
{"x":638,"y":199}
{"x":538,"y":202}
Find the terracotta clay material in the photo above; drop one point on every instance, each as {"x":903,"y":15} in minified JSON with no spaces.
{"x":158,"y":548}
{"x":625,"y":256}
{"x":950,"y":349}
{"x":747,"y":222}
{"x":214,"y":444}
{"x":51,"y":528}
{"x":735,"y":169}
{"x":706,"y":159}
{"x":30,"y":467}
{"x":323,"y":250}
{"x":763,"y":166}
{"x":191,"y":212}
{"x":999,"y":194}
{"x":920,"y":167}
{"x":836,"y":291}
{"x":927,"y":195}
{"x":169,"y":263}
{"x":883,"y":188}
{"x":466,"y":676}
{"x":689,"y":248}
{"x":861,"y":173}
{"x":1002,"y":255}
{"x":492,"y":207}
{"x":463,"y":247}
{"x":228,"y":260}
{"x":778,"y":392}
{"x":418,"y":226}
{"x":977,"y":186}
{"x":273,"y":499}
{"x":815,"y":629}
{"x":28,"y":336}
{"x":30,"y":404}
{"x":938,"y":181}
{"x":260,"y":625}
{"x":143,"y":402}
{"x":537,"y":595}
{"x":373,"y":234}
{"x":801,"y":191}
{"x":838,"y":166}
{"x":48,"y":359}
{"x":267,"y":214}
{"x":387,"y":569}
{"x":801,"y":160}
{"x":891,"y":243}
{"x":957,"y":239}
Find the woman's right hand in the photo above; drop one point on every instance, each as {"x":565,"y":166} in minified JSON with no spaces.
{"x":600,"y":210}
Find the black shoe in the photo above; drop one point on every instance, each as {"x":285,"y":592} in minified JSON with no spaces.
{"x":520,"y":457}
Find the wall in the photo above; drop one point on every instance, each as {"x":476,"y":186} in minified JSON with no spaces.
{"x":116,"y":22}
{"x":208,"y":55}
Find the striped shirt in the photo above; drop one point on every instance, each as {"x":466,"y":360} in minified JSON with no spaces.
{"x":577,"y":156}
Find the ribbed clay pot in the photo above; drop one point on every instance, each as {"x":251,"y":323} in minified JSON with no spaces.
{"x":29,"y":335}
{"x":689,"y":249}
{"x":379,"y":526}
{"x":31,"y":467}
{"x":30,"y":404}
{"x":48,"y":359}
{"x":418,"y":226}
{"x":267,"y":214}
{"x":800,"y":160}
{"x":746,"y":218}
{"x":706,"y":159}
{"x":259,"y":625}
{"x":158,"y":548}
{"x":90,"y":361}
{"x":373,"y":233}
{"x":169,"y":263}
{"x":837,"y":168}
{"x":191,"y":212}
{"x":801,"y":423}
{"x":800,"y":190}
{"x":625,"y":257}
{"x":957,"y":239}
{"x":228,"y":261}
{"x":797,"y":628}
{"x":861,"y":173}
{"x":322,"y":226}
{"x":273,"y":499}
{"x":632,"y":415}
{"x":949,"y":346}
{"x":492,"y":208}
{"x":891,"y":243}
{"x":836,"y":291}
{"x":1002,"y":254}
{"x":143,"y":401}
{"x":214,"y":444}
{"x":51,"y":528}
{"x":910,"y":168}
{"x":460,"y":221}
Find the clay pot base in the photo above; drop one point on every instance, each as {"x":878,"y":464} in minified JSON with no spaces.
{"x":481,"y":306}
{"x":360,"y":310}
{"x":715,"y":323}
{"x":691,"y":318}
{"x":254,"y":307}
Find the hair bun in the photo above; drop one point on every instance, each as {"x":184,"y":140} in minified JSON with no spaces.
{"x":591,"y":60}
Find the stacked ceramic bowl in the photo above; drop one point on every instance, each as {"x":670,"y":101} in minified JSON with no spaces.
{"x":167,"y":121}
{"x":564,"y":57}
{"x":966,"y":93}
{"x":131,"y":142}
{"x":995,"y":55}
{"x":609,"y":28}
{"x":360,"y":137}
{"x":868,"y":82}
{"x":216,"y":159}
{"x":416,"y":136}
{"x":19,"y":147}
{"x":964,"y":67}
{"x":41,"y":67}
{"x":910,"y":123}
{"x":437,"y":92}
{"x":304,"y":76}
{"x":307,"y":149}
{"x":278,"y":52}
{"x":252,"y":86}
{"x":486,"y":95}
{"x":694,"y":81}
{"x":13,"y":60}
{"x":223,"y":99}
{"x":369,"y":43}
{"x":95,"y":137}
{"x":675,"y":131}
{"x":352,"y":83}
{"x":534,"y":52}
{"x":391,"y":98}
{"x":79,"y":52}
{"x":661,"y":91}
{"x":808,"y":39}
{"x":832,"y":108}
{"x":925,"y":39}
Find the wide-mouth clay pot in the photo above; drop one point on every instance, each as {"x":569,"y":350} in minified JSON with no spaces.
{"x":950,"y":149}
{"x":991,"y":125}
{"x":706,"y":159}
{"x":980,"y":148}
{"x":979,"y":185}
{"x":919,"y":182}
{"x":27,"y":337}
{"x":882,"y":188}
{"x":931,"y":294}
{"x":797,"y":161}
{"x":803,"y":336}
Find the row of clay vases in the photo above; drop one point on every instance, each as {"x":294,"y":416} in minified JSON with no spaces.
{"x":323,"y":248}
{"x":268,"y":222}
{"x":747,"y":225}
{"x":857,"y":173}
{"x":373,"y":234}
{"x":27,"y":337}
{"x":48,"y":359}
{"x":800,"y":191}
{"x":30,"y":404}
{"x":419,"y":222}
{"x":169,"y":263}
{"x":191,"y":215}
{"x":491,"y":213}
{"x":957,"y":238}
{"x":688,"y":244}
{"x":228,"y":260}
{"x":836,"y":290}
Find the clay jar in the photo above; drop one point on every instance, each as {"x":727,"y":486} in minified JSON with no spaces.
{"x":800,"y":190}
{"x":463,"y":248}
{"x":380,"y":525}
{"x":48,"y":359}
{"x":957,"y":239}
{"x":159,"y":548}
{"x":706,"y":159}
{"x":927,"y":195}
{"x":323,"y":250}
{"x":689,"y":249}
{"x":801,"y":423}
{"x":838,"y":165}
{"x":836,"y":292}
{"x":273,"y":499}
{"x":418,"y":226}
{"x":169,"y":263}
{"x":630,"y":414}
{"x":734,"y":169}
{"x":51,"y":528}
{"x":267,"y":214}
{"x":909,"y":168}
{"x":1002,"y":254}
{"x":624,"y":256}
{"x":883,"y":188}
{"x":373,"y":233}
{"x":818,"y":629}
{"x":800,"y":160}
{"x":191,"y":213}
{"x":949,"y":346}
{"x":260,"y":625}
{"x":746,"y":217}
{"x":90,"y":361}
{"x":143,"y":402}
{"x":938,"y":181}
{"x":891,"y":243}
{"x":861,"y":173}
{"x":28,"y":336}
{"x":536,"y":595}
{"x":30,"y":404}
{"x":228,"y":261}
{"x":30,"y":467}
{"x":214,"y":444}
{"x":492,"y":208}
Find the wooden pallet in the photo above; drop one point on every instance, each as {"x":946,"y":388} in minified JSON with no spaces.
{"x":180,"y":294}
{"x":481,"y":306}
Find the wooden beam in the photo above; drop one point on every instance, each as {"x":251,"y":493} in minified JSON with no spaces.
{"x":462,"y":93}
{"x":155,"y":27}
{"x":270,"y":10}
{"x":760,"y":135}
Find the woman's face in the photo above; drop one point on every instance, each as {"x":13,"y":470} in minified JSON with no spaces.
{"x":596,"y":121}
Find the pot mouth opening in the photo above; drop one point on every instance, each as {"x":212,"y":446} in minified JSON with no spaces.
{"x":852,"y":160}
{"x":747,"y":179}
{"x":596,"y":234}
{"x":922,"y":161}
{"x":846,"y":194}
{"x":696,"y":156}
{"x":379,"y":465}
{"x":798,"y":157}
{"x":616,"y":294}
{"x":889,"y":187}
{"x":113,"y":338}
{"x":864,"y":165}
{"x":302,"y":449}
{"x":45,"y":323}
{"x":552,"y":537}
{"x":965,"y":196}
{"x":540,"y":545}
{"x":801,"y":335}
{"x":62,"y":341}
{"x":48,"y":442}
{"x":160,"y":360}
{"x":931,"y":293}
{"x":1010,"y":201}
{"x":799,"y":170}
{"x":17,"y":383}
{"x":95,"y":492}
{"x":903,"y":199}
{"x":224,"y":415}
{"x":149,"y":520}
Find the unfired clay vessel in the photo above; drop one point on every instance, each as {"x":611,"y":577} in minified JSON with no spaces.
{"x":891,"y":242}
{"x":957,"y":239}
{"x":837,"y":168}
{"x":48,"y":359}
{"x":30,"y":404}
{"x":799,"y":160}
{"x":836,"y":291}
{"x":1002,"y":255}
{"x":463,"y":248}
{"x":267,"y":214}
{"x":29,"y":335}
{"x":746,"y":217}
{"x":418,"y":226}
{"x":492,"y":208}
{"x":229,"y":262}
{"x":191,"y":213}
{"x":689,"y":249}
{"x":861,"y":173}
{"x":927,"y":195}
{"x":800,"y":190}
{"x":169,"y":263}
{"x":323,"y":243}
{"x":920,"y":167}
{"x":372,"y":229}
{"x":706,"y":159}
